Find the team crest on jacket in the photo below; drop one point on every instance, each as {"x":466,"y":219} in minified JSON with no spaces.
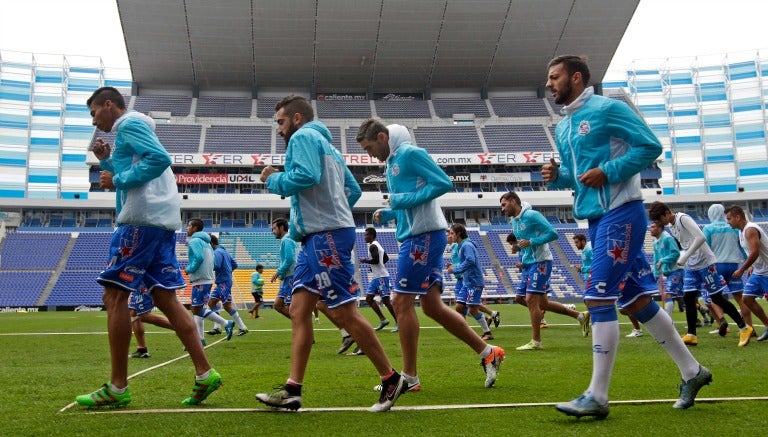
{"x":584,"y":128}
{"x":395,"y":169}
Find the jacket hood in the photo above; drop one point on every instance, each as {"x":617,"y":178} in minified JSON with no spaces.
{"x":321,"y":128}
{"x":716,"y":213}
{"x":203,"y":236}
{"x":398,"y":135}
{"x":134,"y":114}
{"x":525,"y":206}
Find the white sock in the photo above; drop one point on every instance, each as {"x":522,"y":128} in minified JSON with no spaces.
{"x":210,"y":315}
{"x":481,"y":321}
{"x":663,"y":331}
{"x":487,"y":351}
{"x":605,"y":340}
{"x":238,"y":321}
{"x":669,"y":306}
{"x":343,"y":332}
{"x":200,"y":326}
{"x":204,"y":376}
{"x":116,"y":390}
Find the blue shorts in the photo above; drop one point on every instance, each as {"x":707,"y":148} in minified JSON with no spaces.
{"x":285,"y":291}
{"x":473,"y":296}
{"x":420,"y":263}
{"x":379,"y":286}
{"x":460,"y":292}
{"x":756,"y":286}
{"x":673,"y":284}
{"x":735,"y":285}
{"x":223,"y":292}
{"x":620,"y":271}
{"x":141,"y":302}
{"x":535,"y":278}
{"x":707,"y":280}
{"x":142,"y":255}
{"x":324,"y":266}
{"x":200,"y":294}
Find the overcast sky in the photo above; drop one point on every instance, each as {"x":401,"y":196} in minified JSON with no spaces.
{"x":659,"y":29}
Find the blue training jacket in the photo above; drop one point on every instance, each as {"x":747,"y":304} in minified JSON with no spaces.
{"x":533,"y":226}
{"x":601,"y":132}
{"x":319,"y":183}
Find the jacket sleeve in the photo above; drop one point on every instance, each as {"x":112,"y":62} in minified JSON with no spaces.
{"x":304,"y":171}
{"x":195,"y":256}
{"x":644,"y":147}
{"x":540,"y":223}
{"x":218,"y":260}
{"x":351,"y":187}
{"x":671,"y":252}
{"x":436,"y":181}
{"x":691,"y":226}
{"x":287,"y":257}
{"x":233,"y":263}
{"x":470,"y":258}
{"x":153,"y":158}
{"x":387,"y":214}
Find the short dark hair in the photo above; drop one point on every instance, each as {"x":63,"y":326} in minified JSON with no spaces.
{"x":736,"y":210}
{"x":197,"y":224}
{"x":511,"y":195}
{"x":259,"y":267}
{"x":292,"y":104}
{"x":105,"y":93}
{"x":580,"y":237}
{"x":459,"y":230}
{"x":371,"y":231}
{"x":281,"y":223}
{"x":657,"y":210}
{"x":370,"y":129}
{"x":573,"y":64}
{"x":214,"y":239}
{"x":511,"y":239}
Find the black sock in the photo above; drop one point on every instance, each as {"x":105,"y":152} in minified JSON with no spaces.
{"x":293,"y":389}
{"x":728,"y":308}
{"x":690,"y":310}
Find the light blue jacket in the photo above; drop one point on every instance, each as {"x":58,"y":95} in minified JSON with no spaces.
{"x":666,"y":252}
{"x":201,"y":258}
{"x":722,"y":238}
{"x":586,"y":260}
{"x":146,"y":191}
{"x":601,"y":132}
{"x":415,"y":182}
{"x":455,"y":258}
{"x":223,"y":264}
{"x":321,"y":187}
{"x":533,"y":226}
{"x":288,"y":249}
{"x":469,"y":264}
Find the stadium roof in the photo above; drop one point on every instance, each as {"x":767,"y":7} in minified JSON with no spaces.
{"x":365,"y":45}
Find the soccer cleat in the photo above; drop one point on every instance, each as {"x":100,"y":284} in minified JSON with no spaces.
{"x":139,"y":354}
{"x":491,"y":365}
{"x":717,"y":331}
{"x":357,"y":351}
{"x":346,"y":343}
{"x":317,"y":320}
{"x":214,"y":331}
{"x":690,"y":340}
{"x":395,"y":329}
{"x":412,"y":385}
{"x":104,"y":397}
{"x":635,"y":333}
{"x":229,"y":329}
{"x":570,"y":306}
{"x":241,"y":332}
{"x":391,"y":389}
{"x":584,"y":323}
{"x":689,"y":389}
{"x":722,"y":329}
{"x":543,"y":324}
{"x":496,"y":317}
{"x":764,"y":335}
{"x":530,"y":346}
{"x":382,"y":324}
{"x":584,"y":405}
{"x":202,"y":389}
{"x":280,"y":399}
{"x":745,"y":335}
{"x":487,"y":336}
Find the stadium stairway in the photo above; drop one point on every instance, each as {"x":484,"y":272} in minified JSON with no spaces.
{"x":568,"y":266}
{"x":495,"y":263}
{"x":57,"y":272}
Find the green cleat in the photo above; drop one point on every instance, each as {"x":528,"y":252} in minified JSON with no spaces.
{"x":104,"y":397}
{"x":203,"y":389}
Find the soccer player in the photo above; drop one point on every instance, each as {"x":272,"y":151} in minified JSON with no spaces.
{"x":580,"y":240}
{"x":665,"y":256}
{"x":223,"y":265}
{"x":141,"y":306}
{"x":257,"y":291}
{"x":754,"y":241}
{"x":604,"y":145}
{"x":323,"y":192}
{"x":288,"y":250}
{"x":724,"y":242}
{"x":415,"y":182}
{"x":533,"y":233}
{"x":201,"y":275}
{"x":378,"y":280}
{"x":700,"y":272}
{"x":468,"y":266}
{"x":143,"y":247}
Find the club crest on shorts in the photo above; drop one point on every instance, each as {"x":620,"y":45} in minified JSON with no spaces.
{"x":328,"y":259}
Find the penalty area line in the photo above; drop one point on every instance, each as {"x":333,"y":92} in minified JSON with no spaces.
{"x":409,"y":408}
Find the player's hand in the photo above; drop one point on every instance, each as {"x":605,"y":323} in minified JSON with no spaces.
{"x":268,"y":171}
{"x":523,"y":244}
{"x":377,"y":217}
{"x":101,"y":149}
{"x":105,"y":180}
{"x":274,"y":277}
{"x":549,"y":172}
{"x":593,"y":178}
{"x":737,"y":274}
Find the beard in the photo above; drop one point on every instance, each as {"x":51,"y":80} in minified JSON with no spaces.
{"x":563,"y":94}
{"x":289,"y":133}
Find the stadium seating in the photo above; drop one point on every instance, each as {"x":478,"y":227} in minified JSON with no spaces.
{"x":519,"y":106}
{"x":394,"y":109}
{"x":238,"y":139}
{"x":512,"y":138}
{"x":448,"y":139}
{"x":230,"y":107}
{"x":178,"y":106}
{"x":447,"y":107}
